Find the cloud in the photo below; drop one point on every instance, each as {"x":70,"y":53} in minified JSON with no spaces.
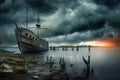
{"x":108,"y":3}
{"x":83,"y":18}
{"x":80,"y":20}
{"x":90,"y":35}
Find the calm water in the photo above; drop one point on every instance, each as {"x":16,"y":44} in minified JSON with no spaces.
{"x":105,"y":61}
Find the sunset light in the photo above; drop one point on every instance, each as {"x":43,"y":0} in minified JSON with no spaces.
{"x":100,"y":44}
{"x":103,"y":43}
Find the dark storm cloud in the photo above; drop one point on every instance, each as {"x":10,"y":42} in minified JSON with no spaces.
{"x":88,"y":35}
{"x":79,"y":20}
{"x":8,"y":9}
{"x":89,"y":26}
{"x":44,"y":6}
{"x":90,"y":17}
{"x":108,"y":3}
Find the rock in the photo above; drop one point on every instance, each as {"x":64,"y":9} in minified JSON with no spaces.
{"x":6,"y":71}
{"x":12,"y":66}
{"x":35,"y":77}
{"x":5,"y":68}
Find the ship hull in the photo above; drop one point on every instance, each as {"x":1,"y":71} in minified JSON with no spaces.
{"x":28,"y":44}
{"x":28,"y":48}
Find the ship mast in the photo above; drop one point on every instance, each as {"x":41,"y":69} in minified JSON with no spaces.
{"x":38,"y":24}
{"x":27,"y":16}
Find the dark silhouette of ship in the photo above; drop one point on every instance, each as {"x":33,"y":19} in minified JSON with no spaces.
{"x":29,"y":42}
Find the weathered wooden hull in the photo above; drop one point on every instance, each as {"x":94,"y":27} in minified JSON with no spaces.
{"x":28,"y":48}
{"x":30,"y":44}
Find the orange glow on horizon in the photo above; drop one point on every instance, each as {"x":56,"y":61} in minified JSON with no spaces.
{"x":104,"y":43}
{"x":100,"y":44}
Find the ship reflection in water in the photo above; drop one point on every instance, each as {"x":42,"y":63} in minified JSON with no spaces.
{"x":105,"y":61}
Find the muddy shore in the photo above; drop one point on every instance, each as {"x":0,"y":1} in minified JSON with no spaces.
{"x":24,"y":68}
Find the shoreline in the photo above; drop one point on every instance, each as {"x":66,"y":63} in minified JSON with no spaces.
{"x":22,"y":67}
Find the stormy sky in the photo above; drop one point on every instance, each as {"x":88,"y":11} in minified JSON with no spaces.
{"x":67,"y":21}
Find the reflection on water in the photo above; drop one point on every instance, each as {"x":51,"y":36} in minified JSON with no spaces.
{"x":105,"y":61}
